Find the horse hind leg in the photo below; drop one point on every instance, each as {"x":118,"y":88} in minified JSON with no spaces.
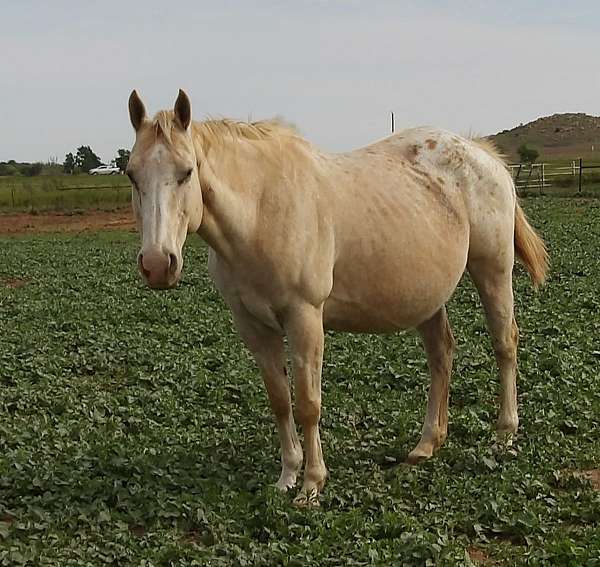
{"x":493,"y":278}
{"x":439,"y":347}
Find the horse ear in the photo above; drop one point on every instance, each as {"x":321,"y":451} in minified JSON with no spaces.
{"x":137,"y":110}
{"x":183,"y":110}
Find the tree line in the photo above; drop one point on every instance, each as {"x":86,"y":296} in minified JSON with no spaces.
{"x":85,"y":159}
{"x":81,"y":161}
{"x":12,"y":167}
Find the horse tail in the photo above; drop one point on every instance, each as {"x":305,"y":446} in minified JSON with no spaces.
{"x":530,"y":248}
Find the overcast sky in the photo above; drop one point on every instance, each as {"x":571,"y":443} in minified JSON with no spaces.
{"x":334,"y":68}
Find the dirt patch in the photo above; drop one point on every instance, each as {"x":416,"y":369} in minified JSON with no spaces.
{"x":593,"y":475}
{"x":197,"y":536}
{"x":13,"y":283}
{"x":137,"y":530}
{"x":479,"y":557}
{"x":191,"y":536}
{"x":26,"y":223}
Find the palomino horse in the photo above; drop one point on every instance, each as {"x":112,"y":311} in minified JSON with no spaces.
{"x":374,"y":240}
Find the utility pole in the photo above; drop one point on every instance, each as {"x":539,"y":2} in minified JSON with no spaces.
{"x":392,"y":116}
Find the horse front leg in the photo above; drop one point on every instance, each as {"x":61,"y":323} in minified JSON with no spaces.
{"x":268,"y":350}
{"x":304,"y":328}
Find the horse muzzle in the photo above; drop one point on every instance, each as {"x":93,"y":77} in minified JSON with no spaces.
{"x":160,"y":269}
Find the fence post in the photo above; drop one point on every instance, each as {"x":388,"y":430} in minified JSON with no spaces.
{"x":580,"y":170}
{"x":543,"y":178}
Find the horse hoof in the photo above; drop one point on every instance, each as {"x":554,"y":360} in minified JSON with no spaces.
{"x":307,"y":499}
{"x":285,"y":484}
{"x":417,"y":456}
{"x":504,"y":439}
{"x":504,"y":443}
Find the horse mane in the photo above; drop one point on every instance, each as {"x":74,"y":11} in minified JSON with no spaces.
{"x":490,"y":147}
{"x":214,"y":131}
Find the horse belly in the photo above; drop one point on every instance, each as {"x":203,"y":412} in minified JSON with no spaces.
{"x":394,"y":293}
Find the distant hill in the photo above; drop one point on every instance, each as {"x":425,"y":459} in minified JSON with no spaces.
{"x":558,"y":137}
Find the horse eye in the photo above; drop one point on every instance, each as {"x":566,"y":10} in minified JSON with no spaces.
{"x":187,"y":175}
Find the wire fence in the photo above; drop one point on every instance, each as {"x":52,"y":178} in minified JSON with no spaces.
{"x":540,"y":176}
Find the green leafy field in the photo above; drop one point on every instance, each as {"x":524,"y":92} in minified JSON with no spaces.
{"x":134,"y":429}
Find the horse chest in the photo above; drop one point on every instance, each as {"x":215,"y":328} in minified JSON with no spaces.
{"x":255,"y":297}
{"x":261,"y":308}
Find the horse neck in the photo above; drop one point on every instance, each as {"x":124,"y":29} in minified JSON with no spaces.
{"x":229,"y":201}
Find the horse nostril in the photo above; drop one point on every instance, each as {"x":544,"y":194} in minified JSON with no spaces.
{"x":141,"y":266}
{"x":172,"y":263}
